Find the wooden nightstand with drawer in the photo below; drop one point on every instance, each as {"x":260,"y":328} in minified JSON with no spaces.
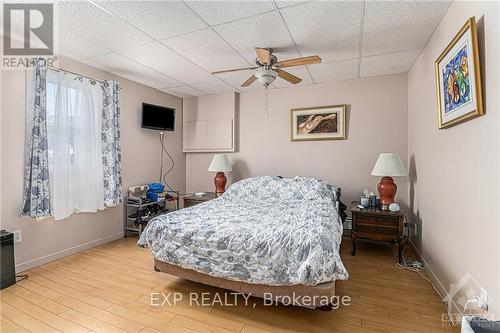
{"x":192,"y":200}
{"x":378,"y":225}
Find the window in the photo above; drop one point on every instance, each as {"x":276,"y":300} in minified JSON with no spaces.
{"x":74,"y":124}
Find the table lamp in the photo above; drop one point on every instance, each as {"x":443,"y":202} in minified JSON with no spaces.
{"x":388,"y":165}
{"x":220,"y":164}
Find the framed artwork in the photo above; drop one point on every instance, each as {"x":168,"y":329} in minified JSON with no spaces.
{"x":318,"y":123}
{"x":458,"y":78}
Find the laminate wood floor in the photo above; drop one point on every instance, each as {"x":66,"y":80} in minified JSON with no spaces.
{"x":108,"y":289}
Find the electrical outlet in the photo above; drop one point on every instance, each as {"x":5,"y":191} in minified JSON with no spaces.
{"x":411,"y":229}
{"x":484,"y":299}
{"x":17,"y":236}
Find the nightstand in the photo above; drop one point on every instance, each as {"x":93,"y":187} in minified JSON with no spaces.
{"x":378,"y":225}
{"x":193,"y":200}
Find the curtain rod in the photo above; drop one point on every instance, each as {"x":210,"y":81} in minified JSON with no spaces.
{"x":57,"y":69}
{"x":77,"y":74}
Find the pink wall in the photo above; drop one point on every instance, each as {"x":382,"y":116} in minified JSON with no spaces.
{"x":376,"y":122}
{"x":47,"y":240}
{"x":454,"y":187}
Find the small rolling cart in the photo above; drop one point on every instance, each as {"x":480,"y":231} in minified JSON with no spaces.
{"x":137,"y":214}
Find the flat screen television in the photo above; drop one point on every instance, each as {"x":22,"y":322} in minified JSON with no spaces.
{"x":157,"y":117}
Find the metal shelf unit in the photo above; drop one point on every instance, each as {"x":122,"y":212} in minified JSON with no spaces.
{"x":130,"y":208}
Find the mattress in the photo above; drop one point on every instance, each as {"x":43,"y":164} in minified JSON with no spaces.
{"x":263,"y":230}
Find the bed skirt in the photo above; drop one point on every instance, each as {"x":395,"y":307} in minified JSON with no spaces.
{"x":312,"y":297}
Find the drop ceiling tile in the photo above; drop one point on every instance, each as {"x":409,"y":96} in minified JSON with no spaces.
{"x":116,"y":64}
{"x":265,"y":30}
{"x":237,"y":74}
{"x":391,"y":26}
{"x":77,"y":47}
{"x":217,"y":12}
{"x":386,"y":64}
{"x":183,"y":91}
{"x":301,"y":72}
{"x":287,"y":3}
{"x":98,"y":26}
{"x":208,"y":50}
{"x":338,"y":71}
{"x":160,"y":58}
{"x":331,"y":29}
{"x":213,"y":87}
{"x":160,"y":19}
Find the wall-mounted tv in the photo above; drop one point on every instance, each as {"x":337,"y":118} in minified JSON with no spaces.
{"x":157,"y":117}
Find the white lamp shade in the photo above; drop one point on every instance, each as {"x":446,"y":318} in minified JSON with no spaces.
{"x":220,"y":163}
{"x":389,"y":164}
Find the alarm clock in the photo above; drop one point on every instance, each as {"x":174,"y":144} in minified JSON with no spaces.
{"x":394,"y":207}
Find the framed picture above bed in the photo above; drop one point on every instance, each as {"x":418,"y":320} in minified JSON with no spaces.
{"x":458,"y":78}
{"x":318,"y":123}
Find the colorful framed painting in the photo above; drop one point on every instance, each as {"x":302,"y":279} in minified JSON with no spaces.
{"x":318,"y":123}
{"x":458,"y":78}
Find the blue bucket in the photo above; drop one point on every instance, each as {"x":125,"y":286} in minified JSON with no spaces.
{"x":153,"y":196}
{"x":154,"y":190}
{"x":156,"y":187}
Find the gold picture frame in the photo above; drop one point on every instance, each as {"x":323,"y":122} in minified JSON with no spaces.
{"x":318,"y":123}
{"x":458,"y":78}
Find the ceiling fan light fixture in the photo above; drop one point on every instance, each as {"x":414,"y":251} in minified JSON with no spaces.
{"x":265,"y":76}
{"x":269,"y":68}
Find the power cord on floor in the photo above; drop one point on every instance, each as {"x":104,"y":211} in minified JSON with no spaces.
{"x":21,"y":277}
{"x":417,"y":267}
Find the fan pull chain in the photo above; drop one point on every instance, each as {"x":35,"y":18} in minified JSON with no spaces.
{"x":267,"y":103}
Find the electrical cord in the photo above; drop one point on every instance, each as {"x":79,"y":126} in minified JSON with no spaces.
{"x":417,"y":267}
{"x":164,"y":175}
{"x":161,"y":157}
{"x":21,"y":277}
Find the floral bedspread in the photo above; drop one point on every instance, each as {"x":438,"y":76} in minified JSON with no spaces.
{"x":262,"y":230}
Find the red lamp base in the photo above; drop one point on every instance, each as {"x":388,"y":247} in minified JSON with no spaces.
{"x":387,"y":190}
{"x":220,"y":181}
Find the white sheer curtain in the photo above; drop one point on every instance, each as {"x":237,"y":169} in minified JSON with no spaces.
{"x":74,"y":120}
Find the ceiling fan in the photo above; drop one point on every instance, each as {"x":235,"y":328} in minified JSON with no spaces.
{"x":268,"y":67}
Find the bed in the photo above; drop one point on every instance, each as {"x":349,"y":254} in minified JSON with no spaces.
{"x":265,"y":236}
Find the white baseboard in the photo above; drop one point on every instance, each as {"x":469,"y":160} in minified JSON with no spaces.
{"x":67,"y":252}
{"x":442,"y":291}
{"x":435,"y":280}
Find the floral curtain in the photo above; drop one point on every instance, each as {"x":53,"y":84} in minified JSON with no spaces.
{"x":36,"y":201}
{"x":111,"y":148}
{"x":37,"y":187}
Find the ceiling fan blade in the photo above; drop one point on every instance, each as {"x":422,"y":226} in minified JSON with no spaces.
{"x":264,"y":55}
{"x":299,"y":61}
{"x":248,"y":82}
{"x":288,"y":77}
{"x":234,"y":70}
